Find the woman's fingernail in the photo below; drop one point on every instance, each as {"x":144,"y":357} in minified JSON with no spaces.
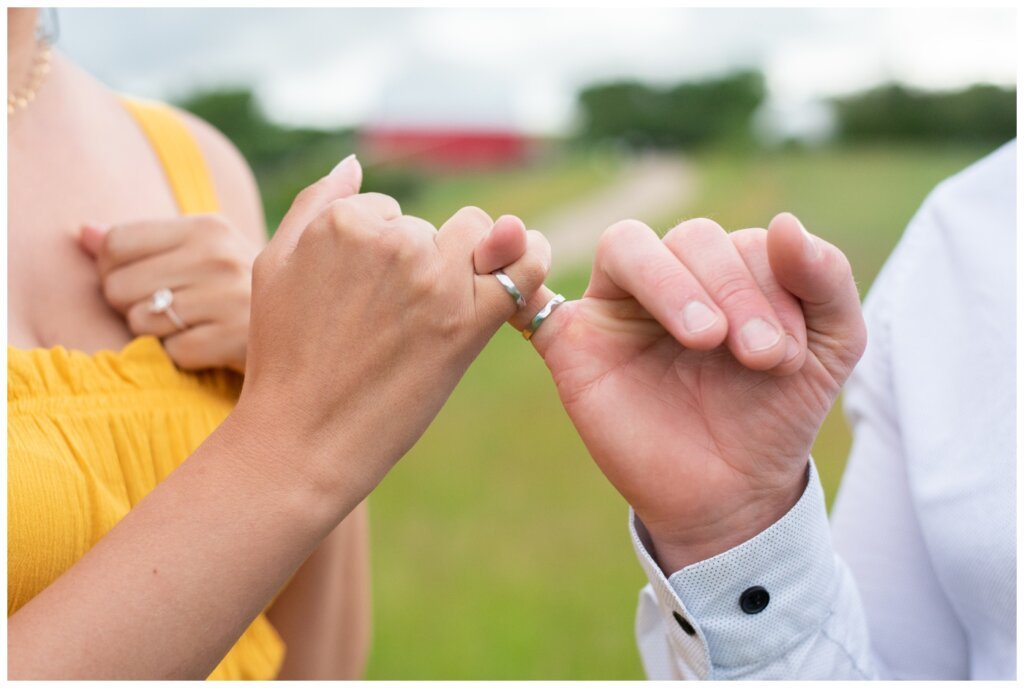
{"x":697,"y":317}
{"x":349,"y":160}
{"x":759,"y":334}
{"x":792,"y":347}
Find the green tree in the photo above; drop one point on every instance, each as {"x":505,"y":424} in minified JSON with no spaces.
{"x":979,"y":114}
{"x":689,"y":114}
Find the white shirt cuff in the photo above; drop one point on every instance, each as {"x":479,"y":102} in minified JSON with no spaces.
{"x":714,"y":615}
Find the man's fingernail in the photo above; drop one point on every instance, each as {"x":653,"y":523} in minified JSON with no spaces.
{"x":759,"y":334}
{"x":812,"y":244}
{"x":697,"y":317}
{"x":350,"y":160}
{"x":792,"y":347}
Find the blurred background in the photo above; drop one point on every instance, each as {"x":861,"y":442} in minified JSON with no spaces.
{"x":499,"y":550}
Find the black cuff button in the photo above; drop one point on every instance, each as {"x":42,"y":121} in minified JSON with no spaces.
{"x":684,"y":624}
{"x":754,"y":600}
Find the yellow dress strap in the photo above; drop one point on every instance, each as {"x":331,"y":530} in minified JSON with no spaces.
{"x":179,"y":153}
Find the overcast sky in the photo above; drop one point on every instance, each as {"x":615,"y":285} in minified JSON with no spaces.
{"x":523,"y":67}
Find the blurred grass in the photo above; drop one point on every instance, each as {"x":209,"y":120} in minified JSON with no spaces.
{"x":499,"y":549}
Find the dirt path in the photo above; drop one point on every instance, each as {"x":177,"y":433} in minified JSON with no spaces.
{"x":648,"y":189}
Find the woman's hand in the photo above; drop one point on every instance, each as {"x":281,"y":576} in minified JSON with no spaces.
{"x":699,"y":368}
{"x":204,"y":261}
{"x":363,"y":321}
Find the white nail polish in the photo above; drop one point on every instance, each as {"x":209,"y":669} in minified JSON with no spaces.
{"x":759,"y":334}
{"x":697,"y":317}
{"x":344,"y":162}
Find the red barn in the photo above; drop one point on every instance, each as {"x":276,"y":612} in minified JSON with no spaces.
{"x":451,"y":147}
{"x":444,"y":116}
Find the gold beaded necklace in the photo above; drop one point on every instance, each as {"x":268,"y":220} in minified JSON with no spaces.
{"x":19,"y":99}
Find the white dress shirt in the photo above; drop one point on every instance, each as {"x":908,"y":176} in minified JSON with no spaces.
{"x":916,"y":578}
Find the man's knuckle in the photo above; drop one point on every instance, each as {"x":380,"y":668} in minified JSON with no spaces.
{"x":475,"y":214}
{"x":618,"y":236}
{"x":664,"y":279}
{"x":624,"y":230}
{"x":696,"y":230}
{"x":733,"y":289}
{"x":750,"y":237}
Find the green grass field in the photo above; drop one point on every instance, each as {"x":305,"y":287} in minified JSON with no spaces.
{"x":499,"y":550}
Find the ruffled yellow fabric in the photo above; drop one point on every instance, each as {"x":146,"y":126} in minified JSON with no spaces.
{"x":90,"y":435}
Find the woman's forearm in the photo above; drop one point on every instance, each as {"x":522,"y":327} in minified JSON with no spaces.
{"x":168,"y":591}
{"x":362,"y":323}
{"x":323,"y":614}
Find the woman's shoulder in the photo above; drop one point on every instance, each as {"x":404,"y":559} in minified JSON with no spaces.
{"x":233,"y":178}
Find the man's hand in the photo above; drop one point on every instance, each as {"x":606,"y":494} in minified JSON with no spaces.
{"x":699,"y":368}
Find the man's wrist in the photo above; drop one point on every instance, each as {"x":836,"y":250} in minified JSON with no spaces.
{"x":676,"y":546}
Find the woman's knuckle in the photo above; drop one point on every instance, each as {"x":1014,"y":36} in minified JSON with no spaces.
{"x":187,"y":350}
{"x":450,"y":324}
{"x":384,"y":201}
{"x":535,"y":270}
{"x":114,"y":289}
{"x":308,"y":196}
{"x":137,"y":321}
{"x":114,"y":243}
{"x":340,"y":215}
{"x":223,"y":257}
{"x":387,"y":245}
{"x":261,"y":266}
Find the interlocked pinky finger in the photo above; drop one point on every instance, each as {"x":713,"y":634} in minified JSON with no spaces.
{"x":527,"y":274}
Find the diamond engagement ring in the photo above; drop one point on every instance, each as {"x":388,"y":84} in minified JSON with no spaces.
{"x":160,"y":302}
{"x":511,"y":288}
{"x":539,"y":319}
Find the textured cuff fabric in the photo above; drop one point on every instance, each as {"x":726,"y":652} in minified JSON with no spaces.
{"x":715,"y":616}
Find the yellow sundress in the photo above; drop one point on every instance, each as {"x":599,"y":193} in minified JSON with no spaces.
{"x":88,"y":436}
